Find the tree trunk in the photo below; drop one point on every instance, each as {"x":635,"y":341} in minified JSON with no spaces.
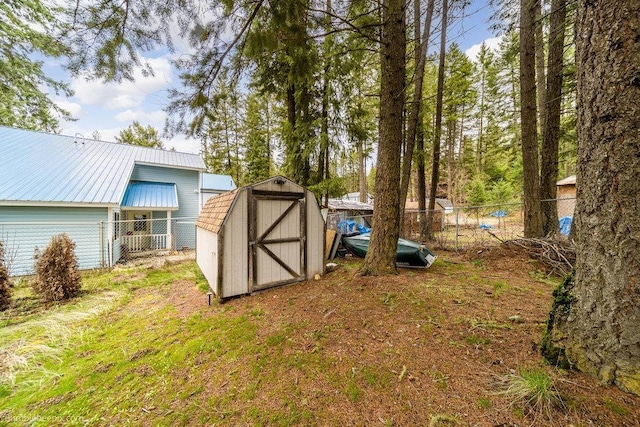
{"x":381,"y":255}
{"x":479,"y":141}
{"x":362,"y":174}
{"x":601,"y":330}
{"x":531,"y":185}
{"x":416,"y":107}
{"x":323,"y":160}
{"x":435,"y":161}
{"x":421,"y":185}
{"x":551,"y":135}
{"x":541,"y":85}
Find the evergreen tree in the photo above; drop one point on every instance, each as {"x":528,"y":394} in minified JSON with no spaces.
{"x":458,"y":103}
{"x":220,"y":130}
{"x":144,"y":136}
{"x":27,"y":31}
{"x":257,"y":153}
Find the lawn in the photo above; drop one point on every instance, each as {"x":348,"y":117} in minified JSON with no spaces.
{"x":454,"y":345}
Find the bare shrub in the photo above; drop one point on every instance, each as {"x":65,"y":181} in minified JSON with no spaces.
{"x":57,"y":275}
{"x":5,"y":285}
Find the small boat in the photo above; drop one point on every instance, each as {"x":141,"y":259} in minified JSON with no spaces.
{"x":408,"y":254}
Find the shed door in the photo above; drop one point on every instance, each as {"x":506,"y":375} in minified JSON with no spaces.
{"x":276,"y":239}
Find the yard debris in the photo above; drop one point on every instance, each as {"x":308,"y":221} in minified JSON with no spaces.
{"x":558,"y":256}
{"x":516,"y":318}
{"x":403,"y":373}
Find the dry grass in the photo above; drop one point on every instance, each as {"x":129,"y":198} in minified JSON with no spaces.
{"x":25,"y":347}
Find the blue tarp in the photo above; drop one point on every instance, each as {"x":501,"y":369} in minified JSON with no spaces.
{"x":498,"y":214}
{"x":349,"y":226}
{"x":565,"y":225}
{"x":486,"y":226}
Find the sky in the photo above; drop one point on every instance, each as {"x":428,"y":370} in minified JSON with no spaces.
{"x":110,"y":107}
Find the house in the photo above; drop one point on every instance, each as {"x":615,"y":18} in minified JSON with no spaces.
{"x":443,"y":205}
{"x":341,"y":209}
{"x":566,"y":195}
{"x":112,"y":199}
{"x":259,"y":236}
{"x":213,"y":184}
{"x":355,"y":197}
{"x":411,"y":218}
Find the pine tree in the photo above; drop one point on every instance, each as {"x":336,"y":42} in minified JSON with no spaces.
{"x":257,"y":142}
{"x":144,"y":136}
{"x":29,"y":29}
{"x":596,"y":318}
{"x":458,"y":102}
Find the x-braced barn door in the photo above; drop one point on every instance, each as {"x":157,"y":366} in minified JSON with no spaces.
{"x":276,"y":238}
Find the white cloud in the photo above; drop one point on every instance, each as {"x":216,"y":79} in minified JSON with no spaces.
{"x":492,"y":43}
{"x":183,"y":145}
{"x":74,"y":108}
{"x":125,"y":94}
{"x":155,"y":118}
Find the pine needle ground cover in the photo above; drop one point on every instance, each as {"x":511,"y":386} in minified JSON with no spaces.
{"x":140,"y":346}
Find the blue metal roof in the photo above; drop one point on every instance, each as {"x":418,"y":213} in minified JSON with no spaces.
{"x":41,"y":167}
{"x":212,"y":181}
{"x":150,"y":195}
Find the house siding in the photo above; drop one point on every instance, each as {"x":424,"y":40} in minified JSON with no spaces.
{"x":187,"y":183}
{"x":23,"y":228}
{"x":235,"y":251}
{"x":315,"y":237}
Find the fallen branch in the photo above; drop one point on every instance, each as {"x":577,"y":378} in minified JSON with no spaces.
{"x":558,"y":256}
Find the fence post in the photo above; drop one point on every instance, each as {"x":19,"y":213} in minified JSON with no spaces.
{"x":101,"y":233}
{"x":457,"y":211}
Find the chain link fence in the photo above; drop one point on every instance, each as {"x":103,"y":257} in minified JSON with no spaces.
{"x":98,"y":245}
{"x":103,"y":244}
{"x":465,"y":226}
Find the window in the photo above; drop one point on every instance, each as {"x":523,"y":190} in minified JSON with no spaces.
{"x":116,"y":225}
{"x":140,"y":222}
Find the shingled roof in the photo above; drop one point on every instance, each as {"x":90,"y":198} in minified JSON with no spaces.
{"x":215,"y":210}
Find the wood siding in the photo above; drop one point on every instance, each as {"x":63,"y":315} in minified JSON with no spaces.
{"x":235,"y":260}
{"x":207,"y":255}
{"x":23,"y":228}
{"x":315,"y":237}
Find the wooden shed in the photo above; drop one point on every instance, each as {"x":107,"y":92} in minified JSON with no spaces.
{"x":566,"y":194}
{"x":259,"y":236}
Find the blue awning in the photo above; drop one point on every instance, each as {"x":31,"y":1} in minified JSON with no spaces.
{"x":150,"y":195}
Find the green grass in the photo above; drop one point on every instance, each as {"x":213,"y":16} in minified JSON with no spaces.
{"x":57,"y":358}
{"x":484,"y":403}
{"x":532,"y":389}
{"x":615,"y":407}
{"x":477,"y":341}
{"x":498,"y":288}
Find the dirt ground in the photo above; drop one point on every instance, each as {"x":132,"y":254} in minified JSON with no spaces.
{"x":428,"y":347}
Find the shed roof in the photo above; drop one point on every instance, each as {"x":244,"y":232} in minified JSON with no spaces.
{"x":215,"y":210}
{"x":445,"y":203}
{"x":212,"y":181}
{"x":570,"y":180}
{"x":351,"y":205}
{"x":44,"y":167}
{"x":151,"y":195}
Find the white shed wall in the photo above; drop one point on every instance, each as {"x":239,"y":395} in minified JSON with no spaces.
{"x":315,"y":237}
{"x":235,"y":249}
{"x":207,"y":255}
{"x":271,"y":186}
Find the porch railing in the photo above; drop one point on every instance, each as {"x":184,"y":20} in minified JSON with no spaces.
{"x":145,"y":242}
